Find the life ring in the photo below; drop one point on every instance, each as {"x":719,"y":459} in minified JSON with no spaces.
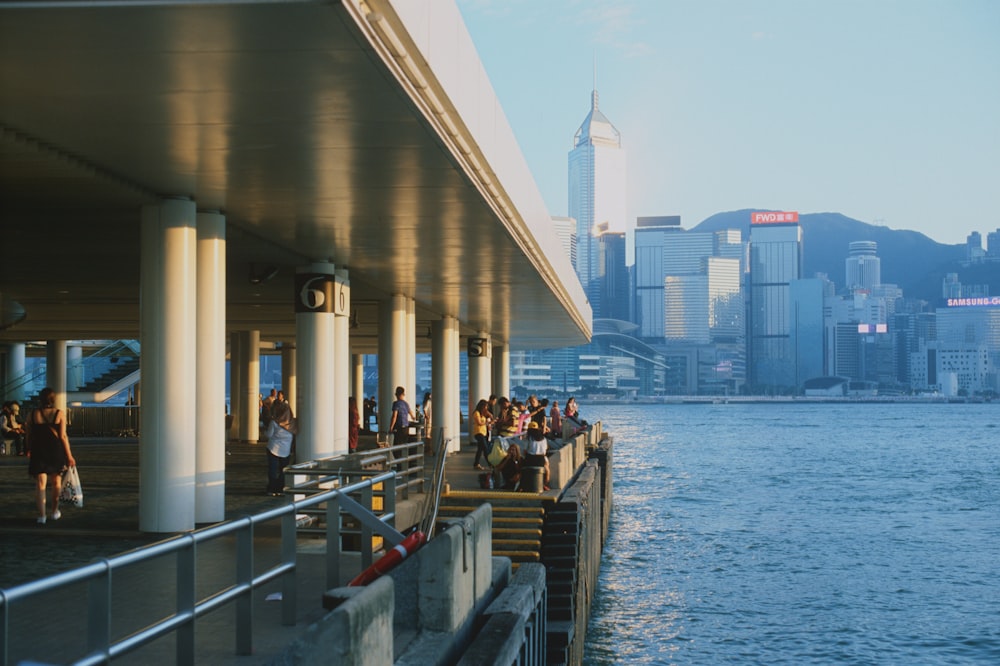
{"x":407,"y":546}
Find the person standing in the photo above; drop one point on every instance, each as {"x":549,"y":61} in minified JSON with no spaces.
{"x":279,"y":447}
{"x":555,"y":420}
{"x":480,"y":426}
{"x":401,"y":415}
{"x":353,"y":425}
{"x":265,"y":410}
{"x":50,"y":453}
{"x":428,"y":444}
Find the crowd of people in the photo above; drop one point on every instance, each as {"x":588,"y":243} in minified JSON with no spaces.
{"x":537,"y":424}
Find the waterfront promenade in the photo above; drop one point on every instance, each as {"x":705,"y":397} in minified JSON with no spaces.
{"x":108,"y":525}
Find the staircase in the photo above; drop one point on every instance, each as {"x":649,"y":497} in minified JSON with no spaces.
{"x":124,"y":367}
{"x":518,"y":520}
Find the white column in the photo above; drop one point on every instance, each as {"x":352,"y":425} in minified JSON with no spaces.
{"x":392,"y":346}
{"x":342,"y":363}
{"x":210,"y":434}
{"x":358,"y":379}
{"x":250,"y":403}
{"x":289,"y":381}
{"x":444,"y":379}
{"x":315,"y":294}
{"x":478,"y":351}
{"x":168,"y":331}
{"x":235,"y":383}
{"x":411,"y":353}
{"x":501,"y":369}
{"x":55,"y":370}
{"x":15,"y":371}
{"x":74,"y":368}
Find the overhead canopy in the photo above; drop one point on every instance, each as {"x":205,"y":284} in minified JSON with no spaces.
{"x":365,"y":134}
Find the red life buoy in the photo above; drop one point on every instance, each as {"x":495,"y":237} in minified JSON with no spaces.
{"x":407,"y":546}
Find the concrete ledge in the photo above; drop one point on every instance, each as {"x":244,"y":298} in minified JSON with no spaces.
{"x":501,"y":639}
{"x":353,"y":634}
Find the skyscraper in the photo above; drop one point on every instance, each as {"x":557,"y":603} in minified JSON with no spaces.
{"x":596,"y":189}
{"x":611,"y":297}
{"x":863,"y":267}
{"x":775,"y":261}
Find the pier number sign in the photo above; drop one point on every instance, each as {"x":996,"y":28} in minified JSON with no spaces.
{"x":320,"y":292}
{"x":479,"y":347}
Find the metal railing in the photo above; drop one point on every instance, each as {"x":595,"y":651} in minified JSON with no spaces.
{"x":100,"y":576}
{"x":104,"y":421}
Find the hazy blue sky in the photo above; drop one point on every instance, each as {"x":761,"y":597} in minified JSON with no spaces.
{"x":886,"y":111}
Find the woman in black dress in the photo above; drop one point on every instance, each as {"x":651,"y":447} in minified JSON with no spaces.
{"x":50,"y":452}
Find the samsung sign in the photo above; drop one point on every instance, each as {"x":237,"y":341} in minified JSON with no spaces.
{"x":993,"y":301}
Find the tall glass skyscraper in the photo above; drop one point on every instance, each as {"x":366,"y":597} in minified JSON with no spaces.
{"x":775,"y":261}
{"x":596,"y":189}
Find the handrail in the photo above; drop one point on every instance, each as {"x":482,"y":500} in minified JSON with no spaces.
{"x":437,"y":485}
{"x":100,"y":577}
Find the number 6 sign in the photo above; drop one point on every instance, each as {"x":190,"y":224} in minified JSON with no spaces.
{"x":320,"y":292}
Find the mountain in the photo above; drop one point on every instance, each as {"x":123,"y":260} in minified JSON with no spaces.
{"x":909,"y":258}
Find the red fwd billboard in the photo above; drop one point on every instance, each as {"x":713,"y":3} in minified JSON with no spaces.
{"x":774,"y":217}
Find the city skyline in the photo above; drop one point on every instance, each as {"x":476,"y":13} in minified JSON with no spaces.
{"x":885,"y":115}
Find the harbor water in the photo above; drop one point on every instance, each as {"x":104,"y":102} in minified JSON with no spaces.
{"x":801,"y":534}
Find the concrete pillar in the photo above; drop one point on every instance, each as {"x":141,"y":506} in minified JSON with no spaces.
{"x":316,"y":302}
{"x":358,"y":380}
{"x":55,"y":370}
{"x":168,"y":332}
{"x":235,"y":383}
{"x":210,"y":434}
{"x":480,"y":386}
{"x":444,"y":379}
{"x":392,"y":350}
{"x":250,"y":398}
{"x":342,"y":363}
{"x":74,"y":368}
{"x":288,"y":376}
{"x":411,"y":353}
{"x":501,"y":369}
{"x":15,"y":372}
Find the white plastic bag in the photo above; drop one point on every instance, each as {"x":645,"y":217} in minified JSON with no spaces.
{"x":72,"y":491}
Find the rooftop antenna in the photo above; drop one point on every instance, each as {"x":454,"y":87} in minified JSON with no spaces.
{"x":593,"y":96}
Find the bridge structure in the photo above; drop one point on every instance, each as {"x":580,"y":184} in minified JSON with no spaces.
{"x":329,"y":179}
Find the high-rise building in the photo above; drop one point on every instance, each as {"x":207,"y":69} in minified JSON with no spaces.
{"x":807,"y":298}
{"x":651,"y":235}
{"x":596,"y":188}
{"x":775,"y":261}
{"x":974,"y":252}
{"x":565,"y":228}
{"x":993,"y":244}
{"x":863,"y":267}
{"x":612,"y":294}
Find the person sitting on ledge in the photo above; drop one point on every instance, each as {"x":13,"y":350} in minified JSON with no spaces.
{"x":535,"y":452}
{"x":510,"y":468}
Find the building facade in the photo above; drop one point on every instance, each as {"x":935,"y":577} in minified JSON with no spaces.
{"x":597,"y":191}
{"x":775,"y":261}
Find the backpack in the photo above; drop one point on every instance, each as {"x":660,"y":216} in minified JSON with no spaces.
{"x":498,"y":452}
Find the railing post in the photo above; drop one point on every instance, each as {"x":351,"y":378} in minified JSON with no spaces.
{"x":334,"y":541}
{"x":99,"y":612}
{"x":186,"y":567}
{"x":244,"y":576}
{"x":4,"y":628}
{"x":289,"y":582}
{"x":389,"y":501}
{"x":366,"y":532}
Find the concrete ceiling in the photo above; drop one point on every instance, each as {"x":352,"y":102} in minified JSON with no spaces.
{"x":286,"y":117}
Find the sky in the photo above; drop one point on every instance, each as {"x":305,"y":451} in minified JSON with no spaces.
{"x":887,"y":111}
